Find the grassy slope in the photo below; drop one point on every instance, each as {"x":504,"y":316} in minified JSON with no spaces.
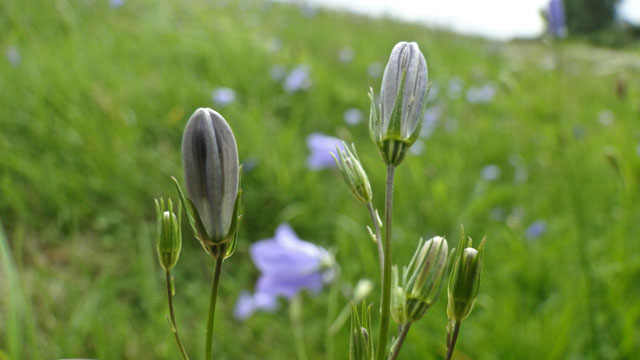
{"x":90,"y":127}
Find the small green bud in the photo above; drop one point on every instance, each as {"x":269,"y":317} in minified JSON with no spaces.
{"x":402,"y":102}
{"x":421,"y":281}
{"x":353,"y":173}
{"x":425,"y":283}
{"x":360,"y":344}
{"x":464,"y":282}
{"x":169,"y":240}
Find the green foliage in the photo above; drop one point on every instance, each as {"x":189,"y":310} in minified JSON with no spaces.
{"x":90,"y":130}
{"x":588,"y":16}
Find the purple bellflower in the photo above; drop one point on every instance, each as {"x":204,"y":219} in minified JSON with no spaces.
{"x":223,"y":96}
{"x":287,"y":265}
{"x":353,"y":116}
{"x":321,"y":147}
{"x":481,"y":94}
{"x":556,"y":18}
{"x":346,"y":55}
{"x":298,"y":79}
{"x":536,"y":229}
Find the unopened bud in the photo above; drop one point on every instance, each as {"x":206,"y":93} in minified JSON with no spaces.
{"x":353,"y":173}
{"x":169,"y":240}
{"x":464,"y":282}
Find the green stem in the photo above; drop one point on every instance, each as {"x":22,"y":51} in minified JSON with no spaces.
{"x":172,"y":317}
{"x":386,"y":279}
{"x":295,"y":314}
{"x":451,"y":341}
{"x":376,"y":226}
{"x":212,"y":306}
{"x":404,"y":330}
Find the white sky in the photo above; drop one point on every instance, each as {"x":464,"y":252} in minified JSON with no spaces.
{"x":492,"y":18}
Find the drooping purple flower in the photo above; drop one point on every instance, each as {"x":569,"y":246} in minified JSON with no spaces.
{"x":556,"y":17}
{"x":346,"y":55}
{"x":375,"y":70}
{"x":353,"y":116}
{"x":223,"y":96}
{"x":481,"y":94}
{"x":298,"y":79}
{"x":116,"y":3}
{"x":321,"y":146}
{"x":491,"y":172}
{"x":289,"y":264}
{"x":536,"y":229}
{"x":13,"y":55}
{"x":456,"y":85}
{"x":430,"y":120}
{"x":249,"y":303}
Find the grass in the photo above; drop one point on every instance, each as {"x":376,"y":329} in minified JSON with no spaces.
{"x":90,"y":129}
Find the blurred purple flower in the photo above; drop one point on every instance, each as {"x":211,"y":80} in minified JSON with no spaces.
{"x":353,"y":116}
{"x":455,"y":87}
{"x":277,"y":72}
{"x":346,"y":55}
{"x":321,"y":147}
{"x":223,"y":96}
{"x":430,"y":120}
{"x":556,"y":18}
{"x":249,"y":303}
{"x":13,"y":55}
{"x":536,"y":229}
{"x":116,"y":3}
{"x":374,"y":70}
{"x":481,"y":94}
{"x":298,"y":79}
{"x":606,"y":117}
{"x":638,"y":150}
{"x":289,"y":264}
{"x":491,"y":172}
{"x":578,"y":132}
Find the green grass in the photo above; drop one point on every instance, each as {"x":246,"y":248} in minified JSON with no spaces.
{"x":91,"y":121}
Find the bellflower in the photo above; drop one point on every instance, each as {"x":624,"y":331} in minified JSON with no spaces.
{"x":289,"y":264}
{"x":556,"y":18}
{"x":223,"y":96}
{"x":353,"y":173}
{"x":13,"y":55}
{"x":536,"y":229}
{"x":249,"y":303}
{"x":464,"y":281}
{"x":212,"y":177}
{"x":346,"y":55}
{"x":402,"y":101}
{"x":169,"y":239}
{"x":298,"y":79}
{"x":321,"y":147}
{"x":352,"y":116}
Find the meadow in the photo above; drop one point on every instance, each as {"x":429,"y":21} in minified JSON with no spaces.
{"x":533,"y":144}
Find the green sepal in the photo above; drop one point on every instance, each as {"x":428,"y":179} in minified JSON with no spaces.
{"x":194,"y":218}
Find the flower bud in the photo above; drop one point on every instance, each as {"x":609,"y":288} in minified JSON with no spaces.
{"x":464,"y":282}
{"x":360,"y":344}
{"x":169,"y":240}
{"x":211,"y":173}
{"x":427,"y":271}
{"x":402,"y":101}
{"x":353,"y":173}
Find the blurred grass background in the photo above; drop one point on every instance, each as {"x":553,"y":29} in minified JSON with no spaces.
{"x":91,"y":119}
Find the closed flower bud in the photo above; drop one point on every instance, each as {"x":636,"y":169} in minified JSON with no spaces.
{"x":426,"y":273}
{"x":211,"y":173}
{"x":353,"y":173}
{"x":464,"y":282}
{"x":169,"y":240}
{"x":360,"y":345}
{"x":402,"y":101}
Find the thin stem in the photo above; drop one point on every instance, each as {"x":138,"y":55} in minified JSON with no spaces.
{"x":404,"y":329}
{"x":451,"y":342}
{"x":172,"y":317}
{"x":212,"y":307}
{"x":295,"y":310}
{"x":376,"y":226}
{"x":386,"y":279}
